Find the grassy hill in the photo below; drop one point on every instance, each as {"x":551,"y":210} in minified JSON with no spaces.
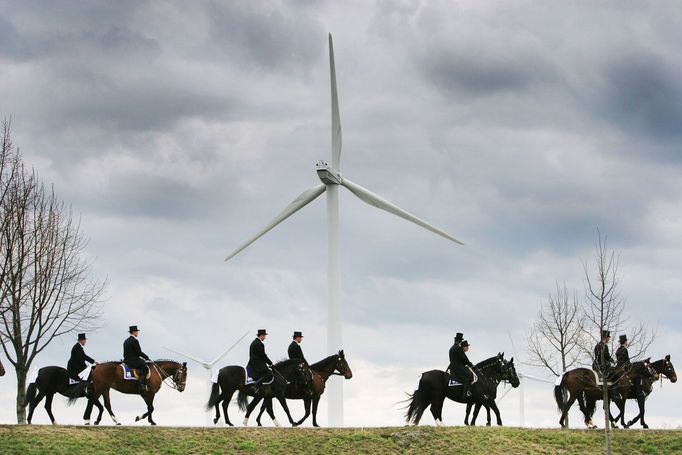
{"x":135,"y":440}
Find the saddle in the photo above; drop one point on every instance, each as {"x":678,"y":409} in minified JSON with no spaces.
{"x":598,"y":380}
{"x":250,"y":380}
{"x":131,"y":374}
{"x":453,"y":383}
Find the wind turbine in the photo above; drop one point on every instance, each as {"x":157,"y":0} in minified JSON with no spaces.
{"x":209,"y":367}
{"x":521,"y":375}
{"x":332,"y":178}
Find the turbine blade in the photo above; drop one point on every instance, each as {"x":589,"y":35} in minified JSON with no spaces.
{"x":214,"y":361}
{"x":372,"y":199}
{"x":336,"y":118}
{"x":534,"y":378}
{"x":297,"y":204}
{"x":196,"y":359}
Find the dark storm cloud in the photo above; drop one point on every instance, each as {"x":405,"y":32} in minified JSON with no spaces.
{"x":266,"y":36}
{"x":643,"y":95}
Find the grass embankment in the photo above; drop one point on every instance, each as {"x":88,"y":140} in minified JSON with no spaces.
{"x":458,"y":440}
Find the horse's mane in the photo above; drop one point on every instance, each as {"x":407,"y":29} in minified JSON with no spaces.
{"x":487,"y":362}
{"x":322,"y":363}
{"x":286,"y":363}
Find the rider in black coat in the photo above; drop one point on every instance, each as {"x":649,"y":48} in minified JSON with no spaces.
{"x":458,"y":367}
{"x":294,"y":350}
{"x":78,"y":358}
{"x":458,"y":339}
{"x":259,"y":363}
{"x":135,"y":358}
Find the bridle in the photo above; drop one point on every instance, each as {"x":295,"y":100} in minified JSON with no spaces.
{"x":174,"y":383}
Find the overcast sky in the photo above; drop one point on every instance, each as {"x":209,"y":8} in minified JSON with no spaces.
{"x":177,"y":130}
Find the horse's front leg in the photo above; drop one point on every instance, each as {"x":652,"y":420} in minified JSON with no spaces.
{"x":496,"y":410}
{"x":477,"y":408}
{"x":149,"y":401}
{"x":466,"y":414}
{"x":306,"y":405}
{"x":316,"y":402}
{"x":260,"y":413}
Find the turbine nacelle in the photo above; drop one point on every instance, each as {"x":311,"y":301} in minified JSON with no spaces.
{"x":328,"y":174}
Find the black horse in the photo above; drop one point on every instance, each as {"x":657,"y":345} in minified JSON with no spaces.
{"x":321,"y":371}
{"x":433,"y":388}
{"x":492,"y":384}
{"x":52,"y":380}
{"x":233,"y":378}
{"x":663,"y":367}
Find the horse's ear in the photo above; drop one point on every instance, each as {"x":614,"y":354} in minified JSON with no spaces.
{"x":667,"y":358}
{"x":511,"y":360}
{"x":647,"y":360}
{"x":184,"y":364}
{"x":341,"y":352}
{"x":502,"y":355}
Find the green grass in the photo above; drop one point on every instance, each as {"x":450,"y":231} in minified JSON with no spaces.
{"x":24,"y":439}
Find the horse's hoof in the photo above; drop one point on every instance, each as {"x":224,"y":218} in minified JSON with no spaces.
{"x":487,"y":424}
{"x":645,"y":426}
{"x":153,"y":423}
{"x":118,"y":423}
{"x":97,"y":423}
{"x":316,"y":425}
{"x":259,"y":424}
{"x":215,"y":421}
{"x":138,"y":418}
{"x":54,"y":422}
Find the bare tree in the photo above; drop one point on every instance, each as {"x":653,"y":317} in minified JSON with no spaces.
{"x":45,"y":278}
{"x":555,"y":339}
{"x":605,"y":311}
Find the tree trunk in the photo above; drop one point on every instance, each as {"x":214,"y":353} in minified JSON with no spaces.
{"x":607,"y":422}
{"x":21,"y":393}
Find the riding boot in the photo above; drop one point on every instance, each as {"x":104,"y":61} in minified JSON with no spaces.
{"x":142,"y":386}
{"x":466,"y":393}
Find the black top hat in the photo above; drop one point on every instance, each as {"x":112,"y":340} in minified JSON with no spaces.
{"x":623,"y":339}
{"x":298,"y":334}
{"x":459,"y":337}
{"x":605,"y":333}
{"x":261,"y":332}
{"x":81,"y":336}
{"x":133,"y":328}
{"x":464,"y":344}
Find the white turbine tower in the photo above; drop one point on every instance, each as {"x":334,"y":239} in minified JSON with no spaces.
{"x":209,"y":367}
{"x":522,"y":376}
{"x":331,"y":178}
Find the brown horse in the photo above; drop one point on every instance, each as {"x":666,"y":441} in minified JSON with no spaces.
{"x":333,"y":365}
{"x":109,"y":375}
{"x":663,"y":367}
{"x":579,"y":384}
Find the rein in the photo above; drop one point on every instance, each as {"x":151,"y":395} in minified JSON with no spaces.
{"x":163,"y":375}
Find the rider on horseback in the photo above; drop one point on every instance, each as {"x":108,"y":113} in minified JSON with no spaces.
{"x":135,"y":358}
{"x":295,"y":351}
{"x":76,"y":364}
{"x":603,"y":362}
{"x":460,"y":366}
{"x":259,"y":366}
{"x":623,"y":364}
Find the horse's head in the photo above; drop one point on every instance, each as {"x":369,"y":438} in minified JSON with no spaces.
{"x":342,"y":366}
{"x":648,"y":370}
{"x":509,"y":373}
{"x":668,"y":370}
{"x":180,"y":376}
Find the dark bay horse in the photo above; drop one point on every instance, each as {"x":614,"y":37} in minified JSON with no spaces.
{"x":109,"y":375}
{"x":233,"y":378}
{"x":321,"y":371}
{"x":433,"y":388}
{"x":52,"y":380}
{"x":580,"y":385}
{"x":663,"y":367}
{"x":492,"y":384}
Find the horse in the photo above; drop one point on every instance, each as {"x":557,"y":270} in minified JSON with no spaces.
{"x":321,"y":371}
{"x":580,"y":384}
{"x":663,"y":367}
{"x":109,"y":375}
{"x":433,"y":387}
{"x":52,"y":380}
{"x":492,"y":393}
{"x":232,"y":378}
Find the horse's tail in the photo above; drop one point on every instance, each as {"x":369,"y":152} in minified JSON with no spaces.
{"x":417,"y":404}
{"x":30,"y":393}
{"x":242,"y":401}
{"x":559,"y":395}
{"x":75,"y":392}
{"x":214,"y":399}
